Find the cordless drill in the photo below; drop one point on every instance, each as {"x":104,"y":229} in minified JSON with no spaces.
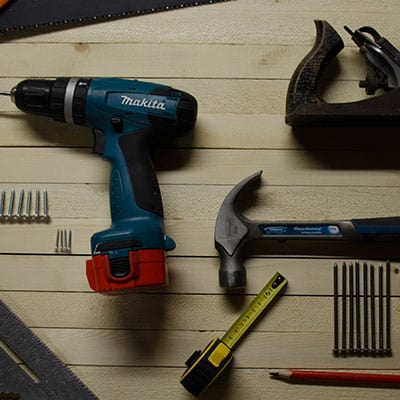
{"x":126,"y":117}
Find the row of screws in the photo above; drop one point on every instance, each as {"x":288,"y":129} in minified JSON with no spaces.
{"x":354,"y":299}
{"x":19,"y":216}
{"x":63,"y":241}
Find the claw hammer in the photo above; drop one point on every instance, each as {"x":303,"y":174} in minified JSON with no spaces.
{"x":233,"y":231}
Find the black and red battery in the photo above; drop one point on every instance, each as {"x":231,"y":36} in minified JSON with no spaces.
{"x":147,"y":268}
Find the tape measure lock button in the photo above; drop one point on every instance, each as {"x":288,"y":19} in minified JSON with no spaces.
{"x":219,"y":354}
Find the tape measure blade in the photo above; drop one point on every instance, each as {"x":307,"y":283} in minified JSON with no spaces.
{"x":274,"y":286}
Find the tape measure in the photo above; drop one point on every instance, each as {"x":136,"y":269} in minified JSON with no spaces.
{"x":205,"y":366}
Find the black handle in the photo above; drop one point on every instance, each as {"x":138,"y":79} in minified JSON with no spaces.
{"x":303,"y":87}
{"x":136,"y":151}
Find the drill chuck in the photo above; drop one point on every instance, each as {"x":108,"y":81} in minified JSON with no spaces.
{"x":62,"y":99}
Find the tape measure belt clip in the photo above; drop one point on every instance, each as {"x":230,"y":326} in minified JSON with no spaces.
{"x":204,"y":367}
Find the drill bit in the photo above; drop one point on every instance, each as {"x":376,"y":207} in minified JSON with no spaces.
{"x":5,"y":93}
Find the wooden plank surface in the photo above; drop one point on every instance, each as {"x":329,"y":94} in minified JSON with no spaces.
{"x":236,"y":58}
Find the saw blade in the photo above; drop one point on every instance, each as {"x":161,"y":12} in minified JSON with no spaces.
{"x":29,"y":370}
{"x":24,"y":14}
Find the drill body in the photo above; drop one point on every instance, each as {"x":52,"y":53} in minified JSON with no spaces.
{"x":126,"y":117}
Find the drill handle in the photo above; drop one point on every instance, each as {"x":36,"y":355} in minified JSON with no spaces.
{"x":135,"y":148}
{"x":134,"y":190}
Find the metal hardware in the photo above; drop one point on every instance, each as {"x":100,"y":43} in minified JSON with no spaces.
{"x":9,"y":215}
{"x":63,"y":241}
{"x":18,"y":215}
{"x":367,"y":307}
{"x":36,"y":216}
{"x":335,"y":310}
{"x":2,"y":202}
{"x":45,"y":217}
{"x":388,"y":349}
{"x":27,"y":215}
{"x":365,"y":299}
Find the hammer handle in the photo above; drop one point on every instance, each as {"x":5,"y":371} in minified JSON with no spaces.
{"x":373,"y":229}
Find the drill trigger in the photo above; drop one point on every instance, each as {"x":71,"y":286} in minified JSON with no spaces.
{"x":99,"y":141}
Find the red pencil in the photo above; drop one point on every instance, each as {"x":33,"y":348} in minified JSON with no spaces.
{"x":339,"y":377}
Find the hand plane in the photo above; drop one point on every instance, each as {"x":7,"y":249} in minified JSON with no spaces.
{"x":305,"y":107}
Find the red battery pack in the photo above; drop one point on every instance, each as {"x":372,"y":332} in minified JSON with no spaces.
{"x":148,"y":268}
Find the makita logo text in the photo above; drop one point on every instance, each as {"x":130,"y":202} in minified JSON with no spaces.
{"x":145,"y":103}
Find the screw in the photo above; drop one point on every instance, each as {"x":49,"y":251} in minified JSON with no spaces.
{"x":63,"y":241}
{"x":27,"y":215}
{"x":11,"y":206}
{"x":36,"y":216}
{"x":45,"y":217}
{"x":70,"y":241}
{"x":2,"y":201}
{"x":57,"y":248}
{"x":18,"y":216}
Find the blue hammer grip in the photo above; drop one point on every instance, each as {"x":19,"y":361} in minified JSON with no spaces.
{"x":378,"y":229}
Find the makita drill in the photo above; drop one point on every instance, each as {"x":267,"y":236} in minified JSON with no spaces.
{"x":126,"y":116}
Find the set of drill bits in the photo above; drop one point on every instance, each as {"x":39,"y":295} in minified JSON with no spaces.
{"x":21,"y":211}
{"x":361,"y":332}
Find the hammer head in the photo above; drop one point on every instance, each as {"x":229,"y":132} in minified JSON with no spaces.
{"x":231,"y":233}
